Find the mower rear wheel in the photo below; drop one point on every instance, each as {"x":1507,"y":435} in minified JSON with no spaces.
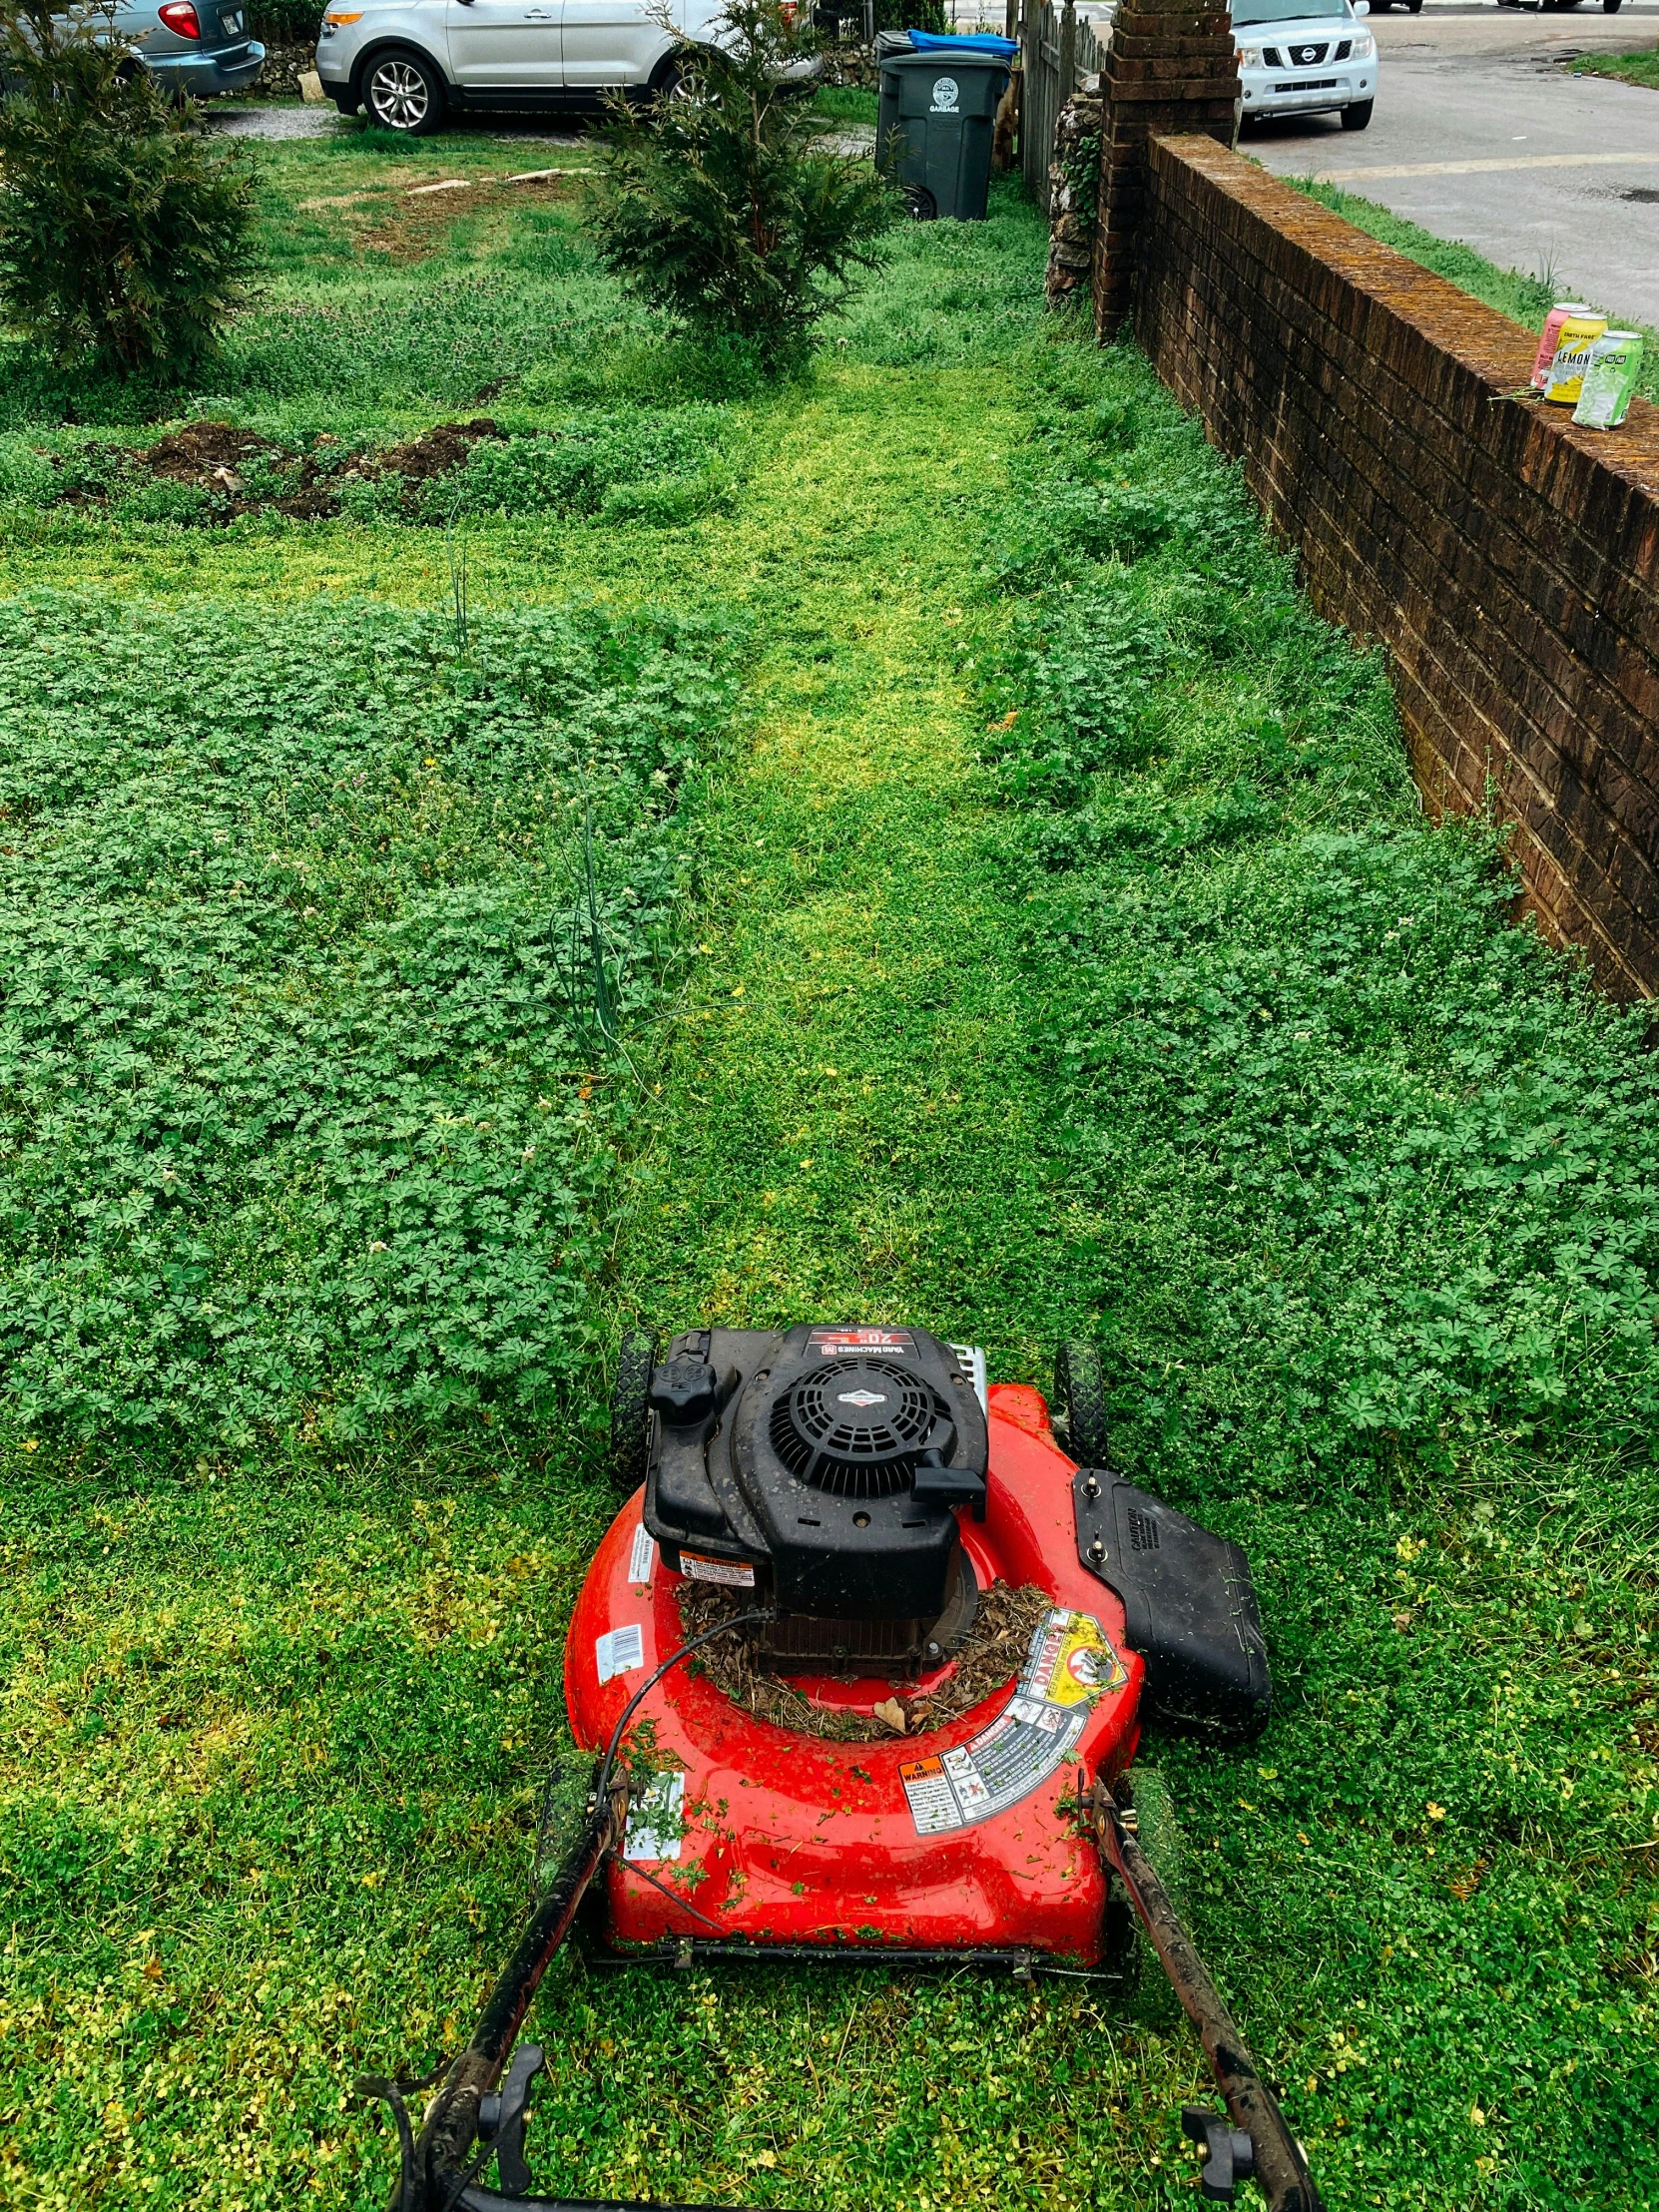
{"x":1079,"y":1408}
{"x":631,"y":1409}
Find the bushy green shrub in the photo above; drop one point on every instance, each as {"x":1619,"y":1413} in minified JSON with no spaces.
{"x":715,"y":205}
{"x":123,"y":234}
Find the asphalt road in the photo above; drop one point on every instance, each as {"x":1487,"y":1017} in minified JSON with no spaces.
{"x":1480,"y":133}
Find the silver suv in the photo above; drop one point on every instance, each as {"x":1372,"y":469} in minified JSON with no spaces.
{"x":196,"y":46}
{"x":411,"y":63}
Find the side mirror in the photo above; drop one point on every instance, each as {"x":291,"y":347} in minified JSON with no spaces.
{"x":1362,"y":7}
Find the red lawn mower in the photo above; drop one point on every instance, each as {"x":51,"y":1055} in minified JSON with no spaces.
{"x":862,"y":1660}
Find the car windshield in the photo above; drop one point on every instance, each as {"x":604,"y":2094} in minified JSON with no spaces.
{"x":1287,"y":11}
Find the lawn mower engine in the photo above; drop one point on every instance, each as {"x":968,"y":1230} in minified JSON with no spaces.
{"x":863,"y":1658}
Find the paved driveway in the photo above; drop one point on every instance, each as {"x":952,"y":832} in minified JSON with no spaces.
{"x":1480,"y":133}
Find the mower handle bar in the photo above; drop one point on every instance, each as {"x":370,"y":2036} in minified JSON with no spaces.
{"x":439,"y":2170}
{"x":1281,"y":2170}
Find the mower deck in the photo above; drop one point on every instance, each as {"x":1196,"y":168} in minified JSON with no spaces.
{"x":971,"y":1834}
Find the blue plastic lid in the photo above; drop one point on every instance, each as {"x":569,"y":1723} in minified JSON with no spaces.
{"x":965,"y":42}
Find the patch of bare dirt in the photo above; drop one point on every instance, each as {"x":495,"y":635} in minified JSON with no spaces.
{"x":436,"y":452}
{"x":416,"y":225}
{"x":992,"y":1655}
{"x":216,"y":456}
{"x":243,"y":472}
{"x":204,"y":453}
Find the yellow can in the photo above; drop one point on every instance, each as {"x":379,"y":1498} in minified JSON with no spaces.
{"x":1577,"y":334}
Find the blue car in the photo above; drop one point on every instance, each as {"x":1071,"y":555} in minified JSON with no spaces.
{"x":200,"y":47}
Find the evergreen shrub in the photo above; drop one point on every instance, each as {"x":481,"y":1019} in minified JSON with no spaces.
{"x":123,"y":234}
{"x":716,"y":205}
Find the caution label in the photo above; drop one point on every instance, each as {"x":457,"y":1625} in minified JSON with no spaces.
{"x":1070,"y":1664}
{"x":736,"y":1575}
{"x":643,"y":1557}
{"x":656,"y":1818}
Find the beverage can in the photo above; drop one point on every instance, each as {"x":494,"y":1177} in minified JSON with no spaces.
{"x":1578,"y":332}
{"x":1552,"y":332}
{"x":1609,"y":379}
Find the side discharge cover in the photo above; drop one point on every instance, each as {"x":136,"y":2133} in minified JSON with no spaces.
{"x":1188,"y":1605}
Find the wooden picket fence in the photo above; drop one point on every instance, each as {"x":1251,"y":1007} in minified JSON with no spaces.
{"x":1057,"y":53}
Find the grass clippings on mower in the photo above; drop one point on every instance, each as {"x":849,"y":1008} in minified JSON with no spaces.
{"x":990,"y":1659}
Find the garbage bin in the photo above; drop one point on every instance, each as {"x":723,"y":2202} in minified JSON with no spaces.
{"x":935,"y":120}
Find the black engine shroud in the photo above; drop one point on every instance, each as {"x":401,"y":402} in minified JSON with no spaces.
{"x":824,"y":1461}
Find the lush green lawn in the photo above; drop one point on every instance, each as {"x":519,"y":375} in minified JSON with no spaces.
{"x":1043,"y":940}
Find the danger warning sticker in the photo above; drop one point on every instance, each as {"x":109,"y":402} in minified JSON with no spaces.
{"x":736,"y":1575}
{"x":1070,"y":1664}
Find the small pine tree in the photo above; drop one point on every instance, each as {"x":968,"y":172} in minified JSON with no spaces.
{"x":716,"y":204}
{"x":123,"y":233}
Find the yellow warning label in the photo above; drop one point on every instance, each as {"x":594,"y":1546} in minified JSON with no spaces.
{"x":1074,"y":1664}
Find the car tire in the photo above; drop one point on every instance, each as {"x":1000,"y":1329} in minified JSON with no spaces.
{"x":1609,"y":7}
{"x":671,"y":80}
{"x":402,"y":91}
{"x":1356,"y":114}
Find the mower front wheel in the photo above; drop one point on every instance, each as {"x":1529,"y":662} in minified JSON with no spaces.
{"x":1079,"y":1406}
{"x":631,"y":1409}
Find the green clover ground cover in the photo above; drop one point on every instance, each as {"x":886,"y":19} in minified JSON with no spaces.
{"x":1060,"y":952}
{"x":300,"y":962}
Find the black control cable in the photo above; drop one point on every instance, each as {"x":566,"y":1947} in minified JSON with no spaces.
{"x":704,"y":1636}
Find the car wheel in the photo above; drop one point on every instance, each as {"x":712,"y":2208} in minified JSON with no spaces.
{"x":1357,"y":113}
{"x":673,"y":80}
{"x":403,"y":92}
{"x":1609,"y":7}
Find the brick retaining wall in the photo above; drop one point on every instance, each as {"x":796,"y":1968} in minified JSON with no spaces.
{"x":1507,"y":560}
